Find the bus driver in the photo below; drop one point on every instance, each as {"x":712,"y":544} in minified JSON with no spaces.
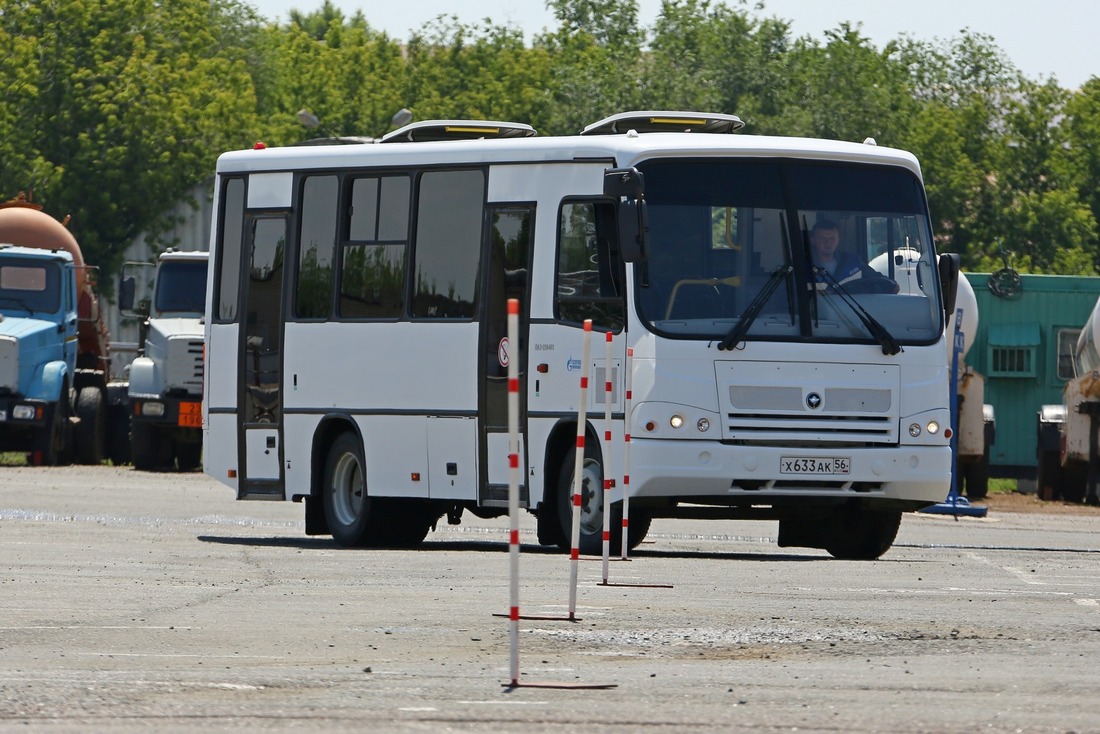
{"x":830,"y":263}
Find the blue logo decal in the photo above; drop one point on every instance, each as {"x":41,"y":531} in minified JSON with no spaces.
{"x":572,"y":364}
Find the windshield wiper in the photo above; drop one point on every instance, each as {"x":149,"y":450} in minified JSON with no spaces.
{"x":737,"y":333}
{"x":886,"y":340}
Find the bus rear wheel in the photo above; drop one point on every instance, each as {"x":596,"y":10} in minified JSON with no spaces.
{"x":348,"y":508}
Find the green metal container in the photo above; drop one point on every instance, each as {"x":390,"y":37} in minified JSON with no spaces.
{"x":1027,"y":330}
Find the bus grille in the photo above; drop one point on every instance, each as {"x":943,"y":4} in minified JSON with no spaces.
{"x":807,"y":404}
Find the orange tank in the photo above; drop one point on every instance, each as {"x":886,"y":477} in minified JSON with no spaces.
{"x":23,"y":223}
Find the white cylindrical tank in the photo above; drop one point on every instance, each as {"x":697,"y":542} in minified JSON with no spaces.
{"x":1087,"y":357}
{"x":905,"y":274}
{"x":968,"y":302}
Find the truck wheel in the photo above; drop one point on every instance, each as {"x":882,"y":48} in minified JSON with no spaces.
{"x":118,"y":434}
{"x":51,"y":442}
{"x":91,"y":428}
{"x":860,"y":535}
{"x":145,"y":448}
{"x":1049,"y":476}
{"x":1074,"y":481}
{"x":188,"y":455}
{"x":977,"y":478}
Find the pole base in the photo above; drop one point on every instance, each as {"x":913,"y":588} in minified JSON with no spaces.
{"x":958,"y":506}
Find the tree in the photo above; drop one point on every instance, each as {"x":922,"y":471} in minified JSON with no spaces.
{"x":133,"y":102}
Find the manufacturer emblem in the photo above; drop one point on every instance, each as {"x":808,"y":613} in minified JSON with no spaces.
{"x":813,"y":401}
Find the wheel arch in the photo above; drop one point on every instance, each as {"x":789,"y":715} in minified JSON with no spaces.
{"x":328,"y":429}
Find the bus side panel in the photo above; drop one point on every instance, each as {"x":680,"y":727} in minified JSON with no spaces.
{"x":298,"y":432}
{"x":219,"y":451}
{"x":425,"y":368}
{"x":220,"y":404}
{"x":222,"y":369}
{"x":403,"y":382}
{"x":396,"y":455}
{"x":452,"y":458}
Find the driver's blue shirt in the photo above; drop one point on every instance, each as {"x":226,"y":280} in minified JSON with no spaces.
{"x":847,"y":267}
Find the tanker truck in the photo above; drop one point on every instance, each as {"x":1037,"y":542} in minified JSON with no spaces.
{"x":54,"y":344}
{"x":975,"y":431}
{"x":1069,"y":433}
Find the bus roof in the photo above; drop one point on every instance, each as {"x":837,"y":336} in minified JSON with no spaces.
{"x":620,"y":149}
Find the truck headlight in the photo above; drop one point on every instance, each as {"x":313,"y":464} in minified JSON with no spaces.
{"x":152,"y":409}
{"x":23,"y":412}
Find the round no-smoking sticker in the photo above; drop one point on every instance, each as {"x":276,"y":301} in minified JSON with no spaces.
{"x":502,"y":352}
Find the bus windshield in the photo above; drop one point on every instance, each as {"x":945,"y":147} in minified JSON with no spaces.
{"x":181,"y":286}
{"x":833,"y":242}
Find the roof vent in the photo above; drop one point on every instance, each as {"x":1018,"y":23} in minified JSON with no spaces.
{"x":665,"y":122}
{"x":433,"y":130}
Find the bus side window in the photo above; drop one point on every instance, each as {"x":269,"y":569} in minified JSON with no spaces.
{"x":372,"y":260}
{"x":316,"y":248}
{"x":449,"y":218}
{"x":590,"y":269}
{"x":229,"y":260}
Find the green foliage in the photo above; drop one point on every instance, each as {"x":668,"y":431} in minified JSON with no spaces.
{"x":122,"y":105}
{"x":110,"y":110}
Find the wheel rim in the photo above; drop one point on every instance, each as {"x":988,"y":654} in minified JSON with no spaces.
{"x":347,"y":490}
{"x":591,"y":497}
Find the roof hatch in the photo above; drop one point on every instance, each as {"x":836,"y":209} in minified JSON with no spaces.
{"x":431,"y":130}
{"x":665,"y":122}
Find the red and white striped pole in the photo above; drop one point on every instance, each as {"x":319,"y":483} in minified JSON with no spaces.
{"x":608,"y":482}
{"x":513,"y":482}
{"x":627,"y":402}
{"x":578,"y":472}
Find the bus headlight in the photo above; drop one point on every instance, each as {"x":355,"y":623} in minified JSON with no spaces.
{"x":703,"y":425}
{"x":933,"y":427}
{"x":914,"y":429}
{"x":676,"y":421}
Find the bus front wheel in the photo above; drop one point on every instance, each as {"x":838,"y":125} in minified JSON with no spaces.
{"x":861,"y":535}
{"x":591,"y":510}
{"x":347,"y":505}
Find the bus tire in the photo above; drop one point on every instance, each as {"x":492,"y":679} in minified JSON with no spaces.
{"x":860,"y":535}
{"x":348,"y":508}
{"x":91,"y":429}
{"x":591,"y":505}
{"x":406,"y":524}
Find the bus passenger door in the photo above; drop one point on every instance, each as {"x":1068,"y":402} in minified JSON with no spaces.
{"x":260,"y":414}
{"x":511,"y":234}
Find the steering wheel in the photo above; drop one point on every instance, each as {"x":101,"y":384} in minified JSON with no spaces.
{"x":876,"y":283}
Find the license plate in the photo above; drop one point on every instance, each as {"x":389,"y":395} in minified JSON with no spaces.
{"x":190,"y":415}
{"x":815,"y":465}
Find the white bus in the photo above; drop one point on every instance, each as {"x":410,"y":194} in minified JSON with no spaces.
{"x":356,"y":341}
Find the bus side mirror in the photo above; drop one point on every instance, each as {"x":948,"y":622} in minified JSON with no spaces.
{"x":627,"y":187}
{"x":948,"y":264}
